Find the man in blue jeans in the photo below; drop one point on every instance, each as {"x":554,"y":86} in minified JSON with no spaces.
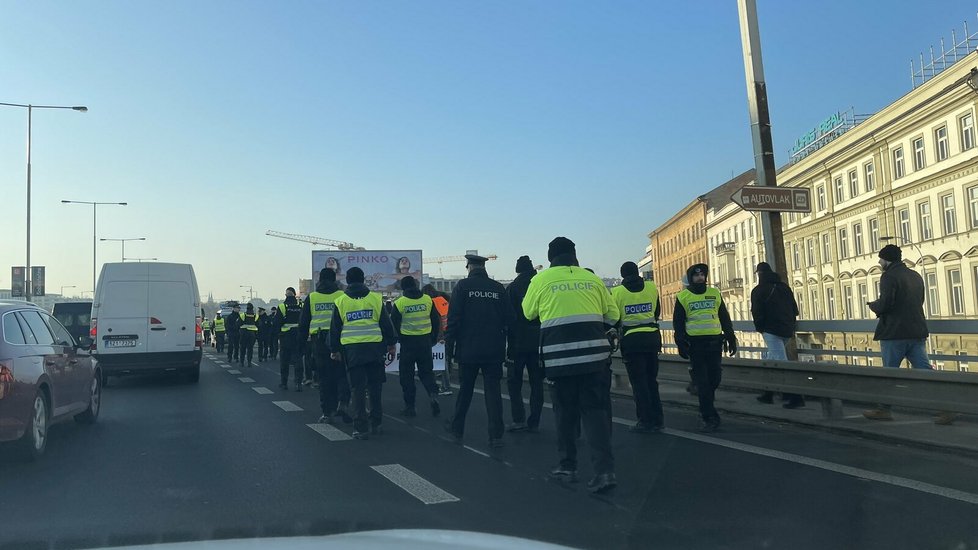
{"x":902,"y":328}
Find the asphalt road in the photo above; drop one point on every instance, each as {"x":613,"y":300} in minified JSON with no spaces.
{"x":170,"y":461}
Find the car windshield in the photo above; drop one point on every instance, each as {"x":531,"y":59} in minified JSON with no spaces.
{"x":593,"y":274}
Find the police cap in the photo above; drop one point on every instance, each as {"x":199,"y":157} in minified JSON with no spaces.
{"x":475,"y":259}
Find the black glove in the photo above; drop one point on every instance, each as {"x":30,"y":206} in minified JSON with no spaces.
{"x":683,"y":349}
{"x":730,"y":345}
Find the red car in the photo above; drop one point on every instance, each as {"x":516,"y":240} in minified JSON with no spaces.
{"x":45,"y":377}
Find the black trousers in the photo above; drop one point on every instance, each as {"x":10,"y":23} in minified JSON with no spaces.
{"x":233,"y":342}
{"x":289,"y":356}
{"x":492,"y":374}
{"x":220,"y":342}
{"x":416,"y":356}
{"x":367,"y":381}
{"x":246,"y":346}
{"x":334,"y":385}
{"x":704,"y":358}
{"x":514,"y":381}
{"x":643,"y":369}
{"x":273,"y":345}
{"x":262,"y":346}
{"x":585,"y":398}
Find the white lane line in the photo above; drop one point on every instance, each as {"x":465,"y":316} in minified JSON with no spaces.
{"x":246,"y":379}
{"x":896,"y":481}
{"x":234,"y":371}
{"x":287,"y":406}
{"x":476,"y":451}
{"x":331,"y":433}
{"x":417,"y":486}
{"x":225,"y":366}
{"x":260,"y":390}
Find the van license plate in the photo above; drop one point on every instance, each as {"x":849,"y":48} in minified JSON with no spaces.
{"x":120,"y":343}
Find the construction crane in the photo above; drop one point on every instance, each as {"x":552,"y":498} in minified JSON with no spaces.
{"x":448,"y":259}
{"x":340,"y":245}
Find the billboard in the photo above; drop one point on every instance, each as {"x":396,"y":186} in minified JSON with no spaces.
{"x":382,"y":269}
{"x":37,"y":280}
{"x":18,"y":281}
{"x":392,"y":363}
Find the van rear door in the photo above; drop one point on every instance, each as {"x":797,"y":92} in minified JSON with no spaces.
{"x":123,"y":318}
{"x":172,"y":317}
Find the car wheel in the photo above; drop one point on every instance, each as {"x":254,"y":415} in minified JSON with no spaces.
{"x":105,"y":380}
{"x":90,"y":415}
{"x":193,"y":374}
{"x":35,"y":438}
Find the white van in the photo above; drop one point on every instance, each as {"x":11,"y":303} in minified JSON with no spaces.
{"x":146,"y":318}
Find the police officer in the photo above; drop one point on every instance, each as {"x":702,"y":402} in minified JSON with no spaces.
{"x":416,"y":323}
{"x":314,"y":325}
{"x":205,"y":327}
{"x":477,"y":319}
{"x":262,"y":334}
{"x":637,"y":301}
{"x":273,"y":332}
{"x":523,"y":352}
{"x":247,"y":333}
{"x":576,"y":311}
{"x":703,"y":331}
{"x":233,"y":324}
{"x":218,"y":328}
{"x":440,"y":301}
{"x":358,"y":334}
{"x":288,"y":332}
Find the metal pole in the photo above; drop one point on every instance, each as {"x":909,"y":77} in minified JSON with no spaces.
{"x":123,"y":250}
{"x":29,"y":290}
{"x":94,"y":232}
{"x":760,"y":123}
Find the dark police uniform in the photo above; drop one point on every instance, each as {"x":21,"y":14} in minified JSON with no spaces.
{"x":247,"y":333}
{"x":477,"y":319}
{"x":231,"y":326}
{"x":416,"y":322}
{"x":289,"y":312}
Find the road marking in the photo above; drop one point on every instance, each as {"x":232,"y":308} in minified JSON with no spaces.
{"x":417,"y":486}
{"x":234,"y":371}
{"x":260,"y":390}
{"x":287,"y":406}
{"x":896,"y":481}
{"x":331,"y":433}
{"x":476,"y":451}
{"x":246,"y":379}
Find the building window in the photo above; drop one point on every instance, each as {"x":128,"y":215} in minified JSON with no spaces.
{"x":949,"y":219}
{"x":874,"y":234}
{"x":942,"y":148}
{"x":919,"y":158}
{"x":826,"y":248}
{"x":870,"y":172}
{"x":933,"y":298}
{"x":750,"y":226}
{"x":830,"y":303}
{"x":898,"y":168}
{"x":815,"y":302}
{"x":847,"y":297}
{"x":820,"y":197}
{"x":840,"y":191}
{"x":967,"y":132}
{"x":795,"y":255}
{"x":973,"y":206}
{"x":863,"y":299}
{"x":801,"y":305}
{"x":905,"y":224}
{"x":843,"y":243}
{"x":957,"y":291}
{"x":810,"y":249}
{"x":923,"y":218}
{"x":857,"y":239}
{"x":753,"y":262}
{"x":853,"y":184}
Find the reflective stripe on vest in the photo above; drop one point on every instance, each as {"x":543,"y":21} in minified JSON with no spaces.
{"x":361,"y":319}
{"x":290,"y":314}
{"x":702,"y":312}
{"x":637,"y":308}
{"x":249,"y":321}
{"x":219,"y":325}
{"x":415,"y":315}
{"x":321,"y":307}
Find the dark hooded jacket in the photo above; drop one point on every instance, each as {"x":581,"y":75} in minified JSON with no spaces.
{"x":305,"y":317}
{"x":366,"y":353}
{"x":640,"y":342}
{"x":523,"y":335}
{"x":679,"y":318}
{"x":478,"y":316}
{"x":773,"y":306}
{"x":418,"y":342}
{"x":900,"y":307}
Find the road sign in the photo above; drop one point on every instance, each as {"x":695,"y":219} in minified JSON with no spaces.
{"x":773,"y":199}
{"x":18,"y":280}
{"x":37,"y":280}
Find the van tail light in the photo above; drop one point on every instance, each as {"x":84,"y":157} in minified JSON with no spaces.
{"x":93,"y":333}
{"x":6,"y":377}
{"x":199,"y":333}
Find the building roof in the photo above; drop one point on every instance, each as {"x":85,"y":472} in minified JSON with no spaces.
{"x":720,"y":196}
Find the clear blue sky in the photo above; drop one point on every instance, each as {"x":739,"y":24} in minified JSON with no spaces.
{"x":443,"y":126}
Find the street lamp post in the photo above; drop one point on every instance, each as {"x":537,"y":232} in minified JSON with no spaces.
{"x":123,"y":241}
{"x":94,"y":228}
{"x":251,"y":294}
{"x":29,"y":290}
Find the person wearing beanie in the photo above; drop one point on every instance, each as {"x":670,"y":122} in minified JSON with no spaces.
{"x":576,"y":311}
{"x":774,"y":309}
{"x":703,"y":330}
{"x":637,"y":301}
{"x":476,"y":338}
{"x":247,"y":334}
{"x":218,"y":328}
{"x":262,"y":334}
{"x":416,"y":324}
{"x":523,"y":352}
{"x":314,"y":327}
{"x":288,"y":337}
{"x":233,"y":325}
{"x":902,"y":328}
{"x":440,"y":300}
{"x":359,"y":334}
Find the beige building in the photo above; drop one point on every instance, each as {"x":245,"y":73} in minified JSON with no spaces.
{"x":908,"y":175}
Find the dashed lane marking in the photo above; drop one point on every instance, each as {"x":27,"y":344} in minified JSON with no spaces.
{"x":417,"y":486}
{"x":331,"y":433}
{"x":287,"y":406}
